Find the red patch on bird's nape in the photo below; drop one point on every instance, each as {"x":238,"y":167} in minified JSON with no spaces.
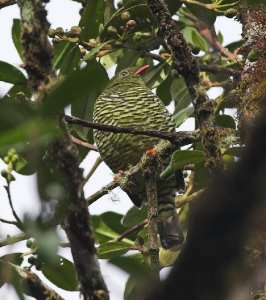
{"x":151,"y":152}
{"x":142,"y":70}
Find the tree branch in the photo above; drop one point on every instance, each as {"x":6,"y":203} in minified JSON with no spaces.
{"x":133,"y":229}
{"x":18,"y":222}
{"x":37,"y":49}
{"x":33,"y":285}
{"x":5,"y":3}
{"x":163,"y":148}
{"x":184,"y":199}
{"x":84,"y":144}
{"x":216,"y":69}
{"x":183,"y":137}
{"x":186,"y":65}
{"x":149,"y":174}
{"x":9,"y":222}
{"x":10,"y":240}
{"x":77,"y":221}
{"x":103,"y":191}
{"x":62,"y":153}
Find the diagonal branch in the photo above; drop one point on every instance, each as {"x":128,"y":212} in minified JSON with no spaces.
{"x":31,"y":283}
{"x":103,"y":191}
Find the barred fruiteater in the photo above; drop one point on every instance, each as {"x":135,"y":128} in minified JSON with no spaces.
{"x":127,"y":101}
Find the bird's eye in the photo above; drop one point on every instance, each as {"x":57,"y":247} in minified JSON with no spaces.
{"x":124,"y":73}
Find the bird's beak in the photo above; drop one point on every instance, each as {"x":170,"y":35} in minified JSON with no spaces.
{"x":142,"y":70}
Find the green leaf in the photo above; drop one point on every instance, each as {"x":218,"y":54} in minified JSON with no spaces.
{"x":180,"y":94}
{"x":9,"y":274}
{"x":220,"y":37}
{"x":132,"y":264}
{"x":234,"y":45}
{"x":235,"y":151}
{"x":131,"y":287}
{"x":194,"y":38}
{"x":16,"y":38}
{"x":32,"y":133}
{"x":112,"y":249}
{"x":199,"y":41}
{"x":113,"y":221}
{"x":71,"y":61}
{"x":78,"y":85}
{"x":62,"y":274}
{"x":163,"y":90}
{"x":25,"y":128}
{"x":92,"y":17}
{"x":182,"y":158}
{"x":256,"y":2}
{"x":128,"y":59}
{"x":202,"y":176}
{"x":103,"y":233}
{"x":173,"y":6}
{"x":83,"y":102}
{"x":61,"y":50}
{"x":225,"y":121}
{"x":205,"y":15}
{"x":46,"y":239}
{"x":14,"y":258}
{"x":111,"y":59}
{"x":107,"y":227}
{"x":11,"y":74}
{"x":14,"y":112}
{"x":134,"y":216}
{"x":181,"y":116}
{"x":155,"y":76}
{"x":17,"y":89}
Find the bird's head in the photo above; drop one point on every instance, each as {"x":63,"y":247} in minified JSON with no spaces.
{"x":127,"y":76}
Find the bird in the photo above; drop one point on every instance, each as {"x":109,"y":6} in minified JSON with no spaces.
{"x":128,"y":102}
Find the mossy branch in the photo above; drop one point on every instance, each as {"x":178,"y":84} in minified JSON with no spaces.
{"x":186,"y":65}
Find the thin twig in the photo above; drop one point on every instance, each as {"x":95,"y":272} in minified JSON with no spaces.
{"x":103,"y":191}
{"x":9,"y":222}
{"x":84,"y":144}
{"x":133,"y":229}
{"x":94,"y":167}
{"x":92,"y":170}
{"x":19,"y":223}
{"x":154,"y":56}
{"x":181,"y":200}
{"x":64,"y":245}
{"x":216,"y":69}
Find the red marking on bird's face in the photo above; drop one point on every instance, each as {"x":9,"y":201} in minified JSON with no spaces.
{"x":151,"y":152}
{"x":142,"y":70}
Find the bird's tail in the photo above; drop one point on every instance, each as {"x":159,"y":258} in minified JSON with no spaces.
{"x":168,"y":226}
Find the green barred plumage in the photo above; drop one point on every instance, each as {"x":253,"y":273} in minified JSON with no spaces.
{"x":128,"y":102}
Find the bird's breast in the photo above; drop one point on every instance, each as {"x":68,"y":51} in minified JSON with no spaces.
{"x":138,"y":108}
